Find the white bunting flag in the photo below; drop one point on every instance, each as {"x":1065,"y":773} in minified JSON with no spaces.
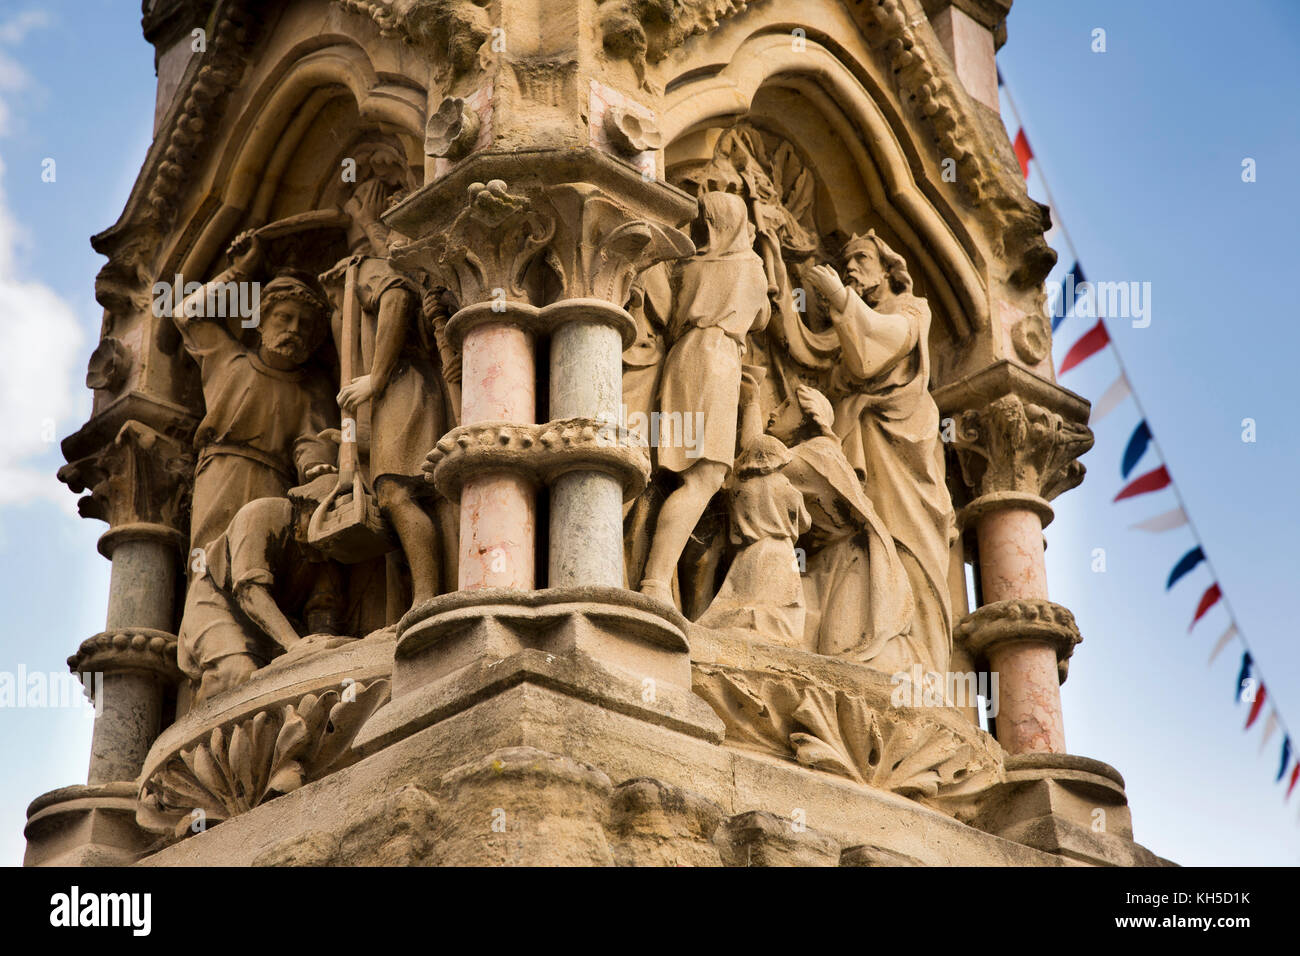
{"x":1228,"y":635}
{"x":1164,"y":522}
{"x":1270,"y":725}
{"x":1110,"y":399}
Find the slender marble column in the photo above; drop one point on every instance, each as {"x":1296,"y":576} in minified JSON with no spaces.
{"x":587,"y":382}
{"x":1029,"y":718}
{"x":497,"y":509}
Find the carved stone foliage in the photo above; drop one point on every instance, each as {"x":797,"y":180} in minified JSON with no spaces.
{"x":200,"y":112}
{"x":455,"y":29}
{"x":648,"y":30}
{"x":837,"y":732}
{"x":108,"y":365}
{"x":985,"y":169}
{"x":241,"y":765}
{"x":142,"y":477}
{"x":488,"y":248}
{"x":1010,"y":445}
{"x":452,"y":129}
{"x":599,"y":246}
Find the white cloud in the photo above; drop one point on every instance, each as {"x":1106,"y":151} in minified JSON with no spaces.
{"x":42,"y":348}
{"x":13,"y":30}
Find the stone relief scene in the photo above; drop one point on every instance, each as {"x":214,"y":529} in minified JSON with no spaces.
{"x":619,"y":407}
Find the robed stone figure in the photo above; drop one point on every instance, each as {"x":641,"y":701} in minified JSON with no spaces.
{"x":889,"y":424}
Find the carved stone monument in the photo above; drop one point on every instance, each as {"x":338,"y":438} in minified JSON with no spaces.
{"x":627,"y":392}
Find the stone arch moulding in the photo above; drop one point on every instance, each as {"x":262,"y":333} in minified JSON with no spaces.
{"x":767,"y":60}
{"x":272,"y":122}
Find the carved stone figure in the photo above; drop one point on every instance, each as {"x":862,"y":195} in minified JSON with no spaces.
{"x":254,"y":576}
{"x":407,"y":416}
{"x":762,"y":591}
{"x":538,"y":276}
{"x":888,"y":422}
{"x":721,"y":297}
{"x":264,"y":409}
{"x":859,"y":600}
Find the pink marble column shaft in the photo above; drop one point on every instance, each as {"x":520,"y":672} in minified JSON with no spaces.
{"x":497,"y":511}
{"x":1029,"y":718}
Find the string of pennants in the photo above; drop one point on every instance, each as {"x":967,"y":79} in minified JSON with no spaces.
{"x":1071,"y":296}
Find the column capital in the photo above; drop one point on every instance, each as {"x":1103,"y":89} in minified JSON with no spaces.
{"x":1017,"y":438}
{"x":139,"y":483}
{"x":592,"y":221}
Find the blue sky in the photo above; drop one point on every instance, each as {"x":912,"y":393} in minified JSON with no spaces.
{"x":1142,"y":146}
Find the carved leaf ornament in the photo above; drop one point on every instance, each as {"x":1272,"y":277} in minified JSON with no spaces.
{"x":242,"y":765}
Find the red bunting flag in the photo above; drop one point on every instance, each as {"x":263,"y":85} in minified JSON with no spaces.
{"x":1208,"y":600}
{"x":1023,"y":153}
{"x":1257,"y":706}
{"x":1295,"y":775}
{"x":1092,"y":342}
{"x":1151,"y":481}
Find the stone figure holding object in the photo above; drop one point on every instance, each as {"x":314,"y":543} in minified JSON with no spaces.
{"x":264,"y":407}
{"x":889,"y":424}
{"x":407,"y":413}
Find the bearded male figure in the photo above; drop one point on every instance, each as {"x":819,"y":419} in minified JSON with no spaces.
{"x":264,"y":410}
{"x":889,"y":424}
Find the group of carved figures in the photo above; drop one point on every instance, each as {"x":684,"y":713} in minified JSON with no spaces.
{"x":798,"y":489}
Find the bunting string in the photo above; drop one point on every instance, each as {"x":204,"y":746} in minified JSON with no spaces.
{"x":1065,"y":297}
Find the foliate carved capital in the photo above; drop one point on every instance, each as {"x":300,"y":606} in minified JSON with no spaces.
{"x":128,"y":649}
{"x":539,"y":452}
{"x":1018,"y":621}
{"x":1017,"y":437}
{"x":600,"y":247}
{"x":486,"y":251}
{"x":1013,"y":445}
{"x":142,"y":478}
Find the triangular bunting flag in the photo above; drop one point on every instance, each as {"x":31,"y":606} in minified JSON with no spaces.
{"x":1137,"y":446}
{"x":1286,"y":758}
{"x":1227,"y":636}
{"x":1066,"y":294}
{"x":1162,"y":522}
{"x":1023,"y":153}
{"x":1092,"y":342}
{"x":1208,"y":600}
{"x":1185,"y":564}
{"x":1151,"y":481}
{"x":1110,"y":399}
{"x":1295,"y":774}
{"x":1257,"y":705}
{"x":1243,"y":675}
{"x":1270,"y":726}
